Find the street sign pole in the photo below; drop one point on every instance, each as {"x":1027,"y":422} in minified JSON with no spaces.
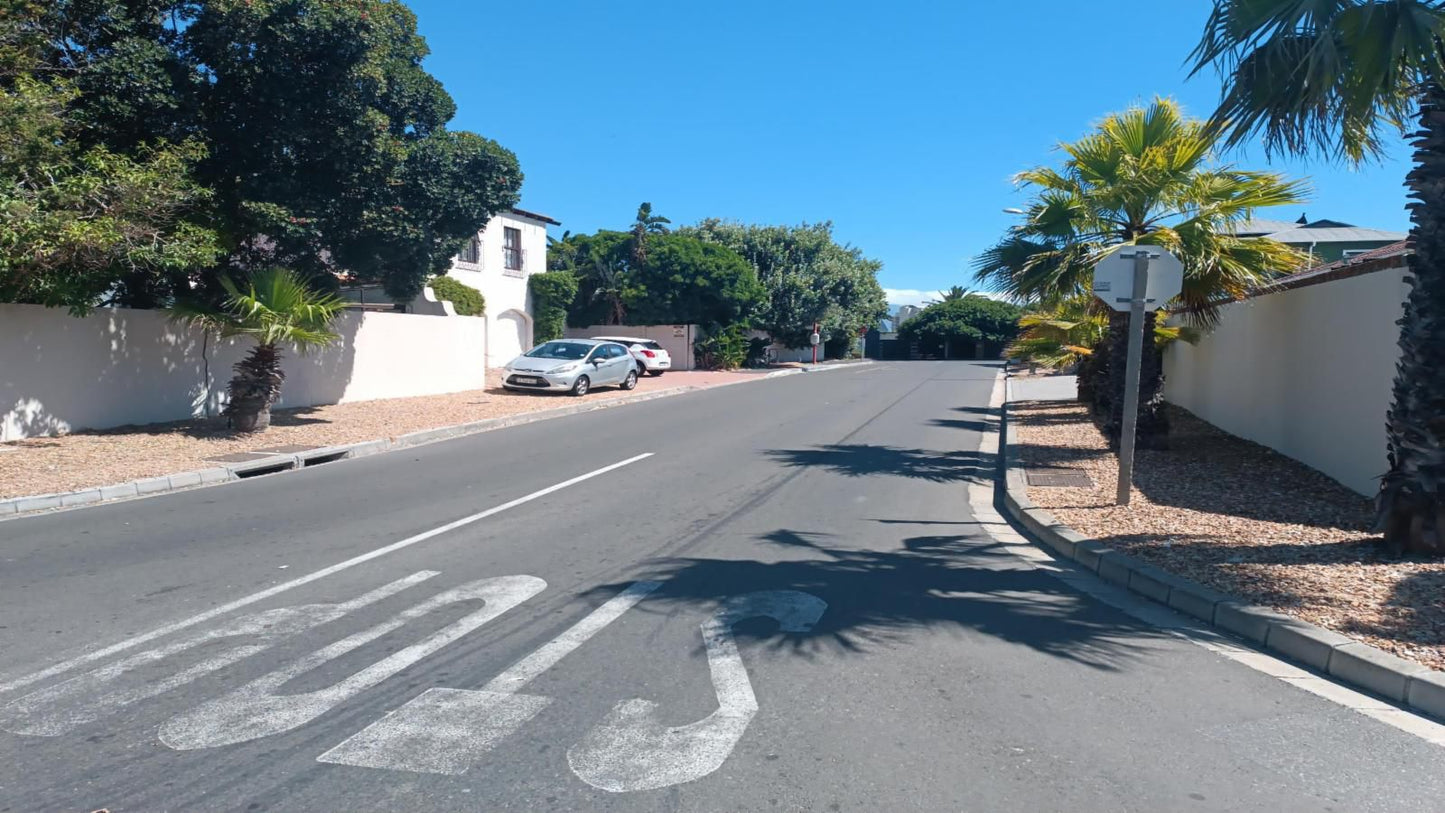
{"x":1131,"y":376}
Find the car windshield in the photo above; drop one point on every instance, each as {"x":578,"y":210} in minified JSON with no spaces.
{"x":560,"y":350}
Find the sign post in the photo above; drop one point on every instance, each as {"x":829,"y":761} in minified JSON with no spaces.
{"x":815,"y":340}
{"x":1152,"y":276}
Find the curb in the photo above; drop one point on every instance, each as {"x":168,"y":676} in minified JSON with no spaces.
{"x":1355,"y":664}
{"x":231,"y":472}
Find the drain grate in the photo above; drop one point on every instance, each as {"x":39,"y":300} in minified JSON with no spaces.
{"x":291,"y":449}
{"x":240,"y":457}
{"x":1058,"y":478}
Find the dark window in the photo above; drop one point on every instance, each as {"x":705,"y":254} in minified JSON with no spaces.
{"x":473,"y":251}
{"x":512,"y":248}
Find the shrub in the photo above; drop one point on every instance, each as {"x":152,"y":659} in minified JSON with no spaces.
{"x":552,"y":294}
{"x":467,"y":301}
{"x":723,"y":349}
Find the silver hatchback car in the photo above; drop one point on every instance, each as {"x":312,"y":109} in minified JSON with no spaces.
{"x":574,"y":365}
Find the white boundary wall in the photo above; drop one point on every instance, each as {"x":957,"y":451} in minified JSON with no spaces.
{"x":116,"y":366}
{"x":1306,"y":371}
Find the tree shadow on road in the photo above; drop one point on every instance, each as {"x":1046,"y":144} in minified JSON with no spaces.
{"x":863,"y":460}
{"x":962,"y":585}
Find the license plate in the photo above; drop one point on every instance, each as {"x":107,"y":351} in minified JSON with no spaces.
{"x":521,"y":379}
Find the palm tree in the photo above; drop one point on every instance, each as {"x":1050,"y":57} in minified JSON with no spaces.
{"x":953,"y":293}
{"x":645,"y":224}
{"x":1145,"y":176}
{"x":1336,"y":77}
{"x":275,"y":308}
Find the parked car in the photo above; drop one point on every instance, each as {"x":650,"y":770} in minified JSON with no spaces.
{"x":574,"y":365}
{"x":650,"y":356}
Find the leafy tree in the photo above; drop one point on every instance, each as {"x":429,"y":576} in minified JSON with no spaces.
{"x":79,"y":220}
{"x":687,"y":281}
{"x":807,"y":277}
{"x":552,"y":294}
{"x":1335,"y":77}
{"x":326,"y":147}
{"x":276,"y":307}
{"x":953,"y":327}
{"x":1142,"y":177}
{"x":466,"y":300}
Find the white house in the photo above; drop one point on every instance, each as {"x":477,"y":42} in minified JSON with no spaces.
{"x":497,"y":262}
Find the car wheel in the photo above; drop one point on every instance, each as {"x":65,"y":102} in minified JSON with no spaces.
{"x":583,"y":384}
{"x":655,"y":373}
{"x":630,"y":382}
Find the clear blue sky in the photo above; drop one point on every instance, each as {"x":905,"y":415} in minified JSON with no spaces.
{"x":901,"y":122}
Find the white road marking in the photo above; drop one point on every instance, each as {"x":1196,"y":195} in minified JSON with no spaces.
{"x":631,"y":750}
{"x":255,"y":710}
{"x":85,"y":698}
{"x":214,"y":612}
{"x":446,"y":731}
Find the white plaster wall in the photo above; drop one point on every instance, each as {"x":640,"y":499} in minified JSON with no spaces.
{"x":1305,"y":371}
{"x":502,"y":290}
{"x":117,"y":366}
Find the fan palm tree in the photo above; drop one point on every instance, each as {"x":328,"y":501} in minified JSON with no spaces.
{"x":274,"y":308}
{"x":1336,"y":77}
{"x":645,"y":224}
{"x":1145,"y":176}
{"x":954,"y":292}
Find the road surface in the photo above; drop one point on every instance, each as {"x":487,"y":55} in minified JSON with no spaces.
{"x":771,"y":596}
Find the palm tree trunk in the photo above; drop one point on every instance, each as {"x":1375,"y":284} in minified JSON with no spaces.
{"x":1411,"y":502}
{"x":254,"y":388}
{"x":1152,"y":428}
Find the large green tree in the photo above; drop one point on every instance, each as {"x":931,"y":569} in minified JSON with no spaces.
{"x":326,"y":146}
{"x":78,"y":220}
{"x":1337,"y":77}
{"x":1146,"y":176}
{"x":807,"y":276}
{"x":953,"y":328}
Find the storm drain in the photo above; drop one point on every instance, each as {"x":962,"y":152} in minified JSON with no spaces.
{"x":1058,"y":478}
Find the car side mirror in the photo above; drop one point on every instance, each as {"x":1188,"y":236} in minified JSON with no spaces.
{"x":597,"y":362}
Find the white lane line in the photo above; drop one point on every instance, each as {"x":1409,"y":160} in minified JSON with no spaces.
{"x":522,"y":672}
{"x":91,"y":657}
{"x":446,"y":731}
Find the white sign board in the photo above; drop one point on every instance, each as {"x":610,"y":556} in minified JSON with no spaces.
{"x":815,"y":339}
{"x":1114,"y":277}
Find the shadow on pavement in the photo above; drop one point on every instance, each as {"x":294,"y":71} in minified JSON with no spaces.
{"x":861,"y":460}
{"x":876,"y":598}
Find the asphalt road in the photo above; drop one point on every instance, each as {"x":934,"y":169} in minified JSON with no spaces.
{"x":786,"y":604}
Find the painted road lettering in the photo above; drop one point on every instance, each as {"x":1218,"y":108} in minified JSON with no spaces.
{"x":255,"y":710}
{"x":445,"y":731}
{"x":90,"y":696}
{"x":631,"y":751}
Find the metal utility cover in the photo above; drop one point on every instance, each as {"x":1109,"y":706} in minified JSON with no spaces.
{"x":1114,"y":277}
{"x":1058,"y":478}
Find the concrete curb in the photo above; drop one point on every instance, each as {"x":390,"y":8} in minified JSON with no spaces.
{"x":1353,"y":663}
{"x":231,"y":472}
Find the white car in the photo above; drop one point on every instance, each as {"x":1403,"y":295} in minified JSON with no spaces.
{"x":651,"y":358}
{"x":572,"y":365}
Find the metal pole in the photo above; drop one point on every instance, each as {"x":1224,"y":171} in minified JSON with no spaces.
{"x":1131,"y":376}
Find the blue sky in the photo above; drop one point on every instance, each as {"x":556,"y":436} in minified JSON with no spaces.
{"x":900,"y":122}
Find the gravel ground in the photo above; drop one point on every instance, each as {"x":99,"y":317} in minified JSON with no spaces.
{"x":96,"y":458}
{"x":1246,"y":520}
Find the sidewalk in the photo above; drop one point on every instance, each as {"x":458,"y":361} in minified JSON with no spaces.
{"x":85,"y":460}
